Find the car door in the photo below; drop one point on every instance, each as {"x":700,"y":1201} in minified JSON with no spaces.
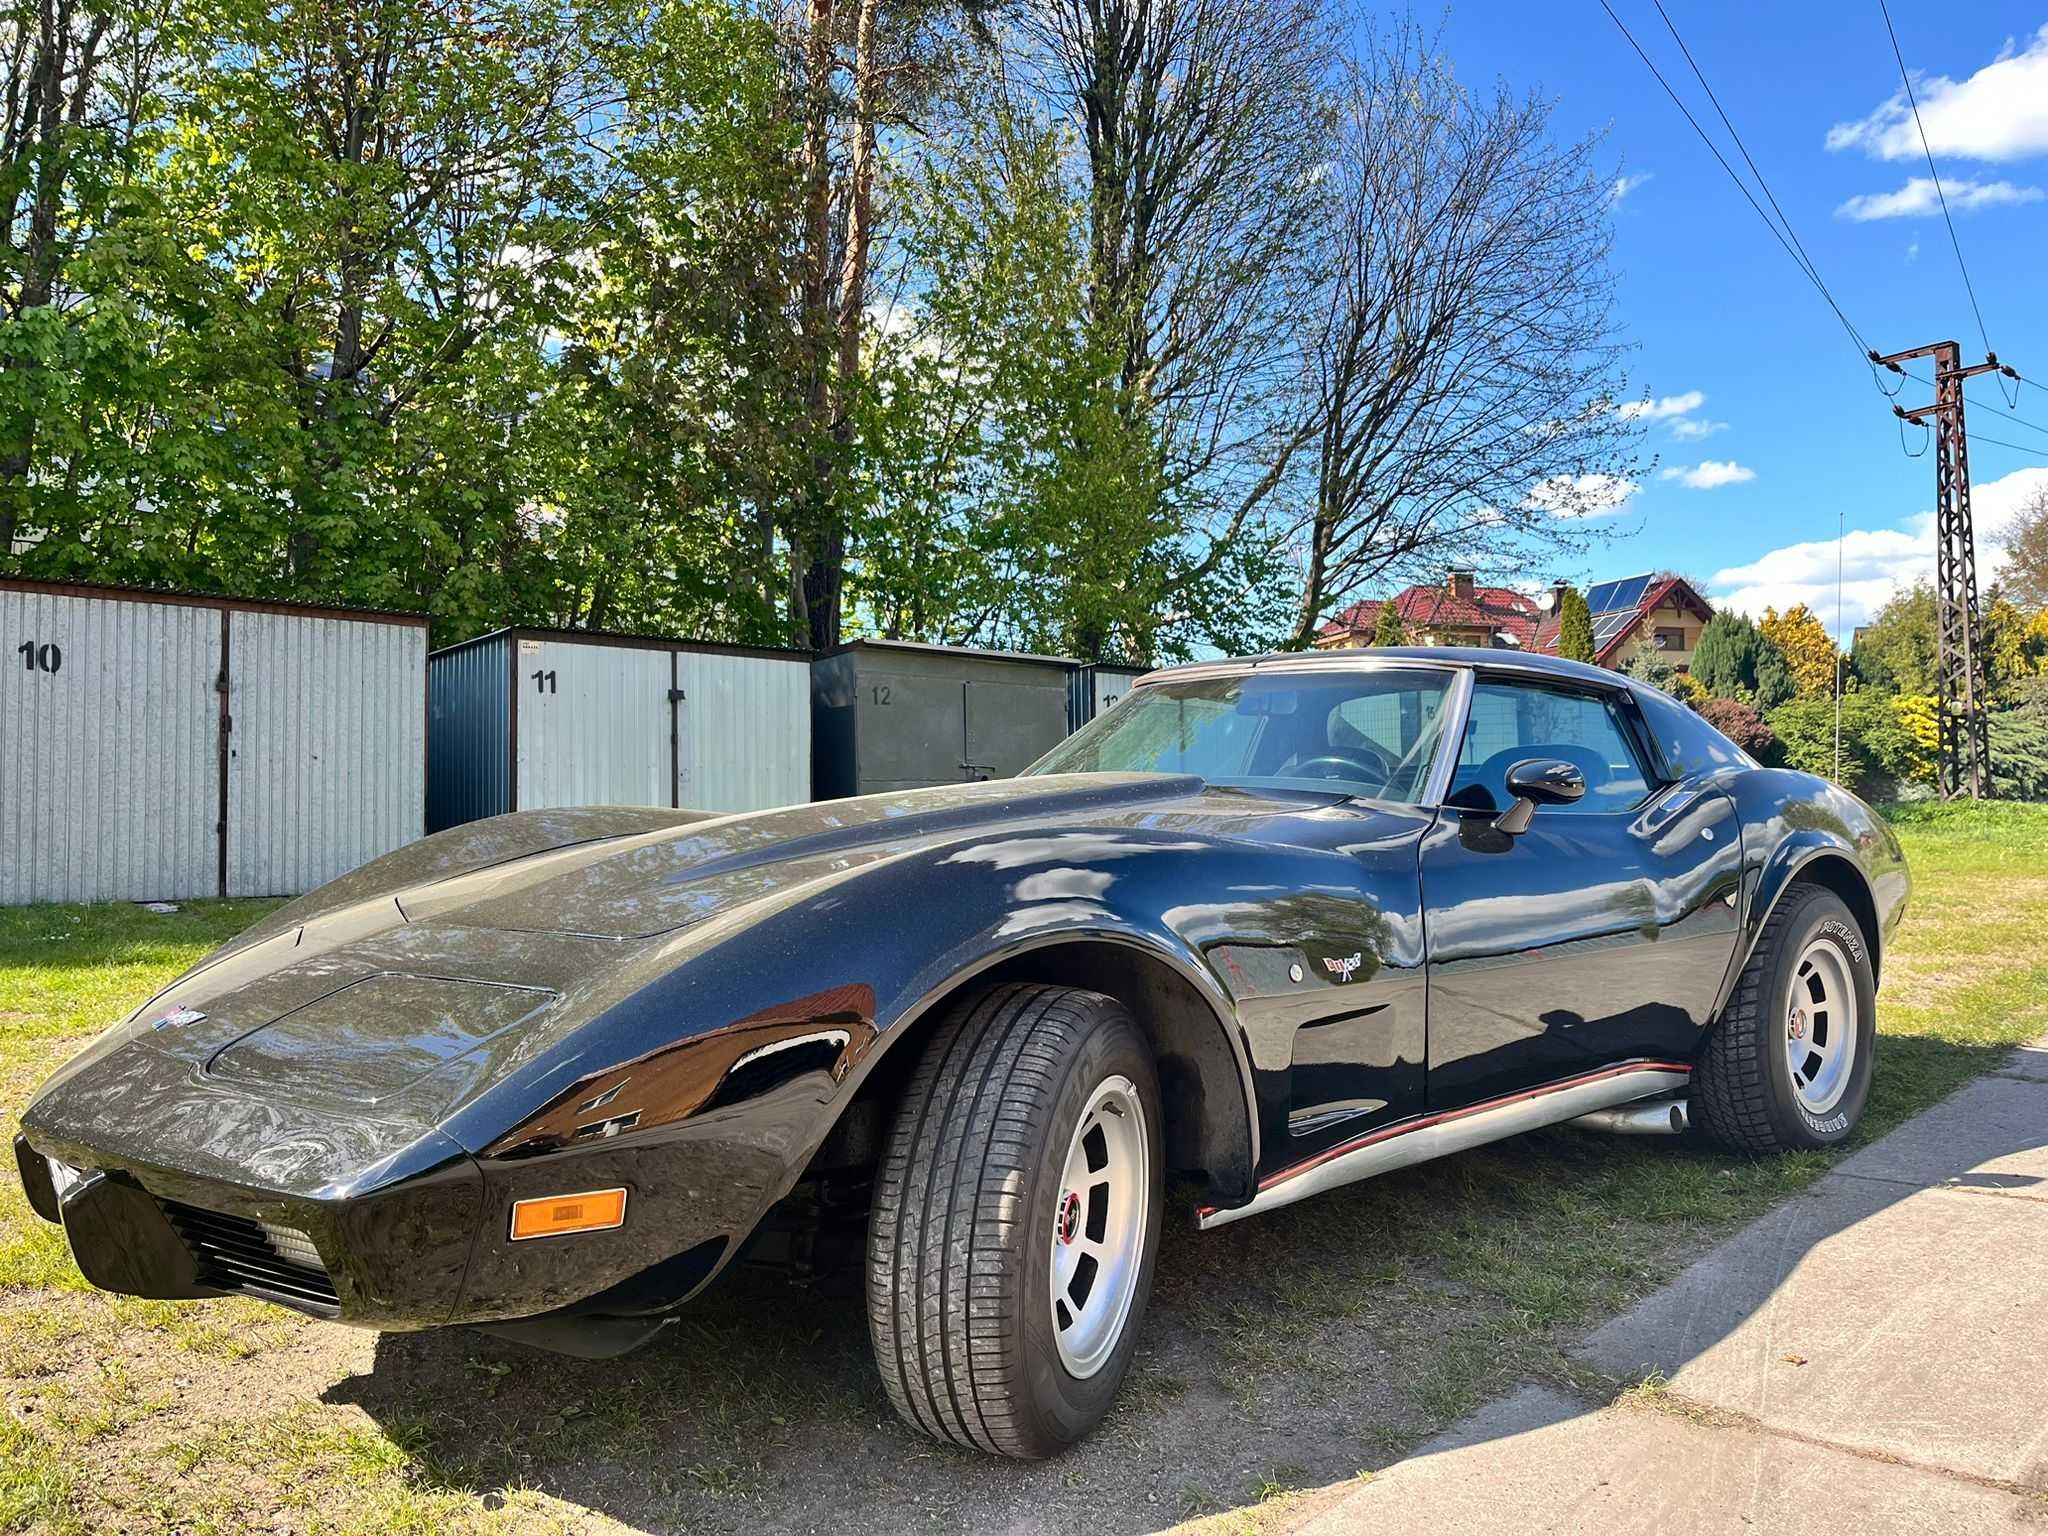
{"x":1598,"y":935}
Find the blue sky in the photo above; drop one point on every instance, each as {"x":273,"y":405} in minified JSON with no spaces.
{"x":1767,"y":428}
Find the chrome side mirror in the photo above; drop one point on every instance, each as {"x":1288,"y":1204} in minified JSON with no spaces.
{"x":1538,"y":781}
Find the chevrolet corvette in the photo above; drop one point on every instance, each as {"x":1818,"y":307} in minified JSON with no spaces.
{"x":1263,"y":928}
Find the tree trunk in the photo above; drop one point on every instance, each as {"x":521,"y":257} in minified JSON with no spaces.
{"x":814,"y":317}
{"x":825,"y":582}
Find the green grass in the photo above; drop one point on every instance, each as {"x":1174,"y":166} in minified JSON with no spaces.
{"x":1466,"y":1276}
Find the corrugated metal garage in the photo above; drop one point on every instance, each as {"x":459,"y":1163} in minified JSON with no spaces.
{"x":524,"y":719}
{"x":1096,"y":688}
{"x":895,"y":714}
{"x":159,"y":746}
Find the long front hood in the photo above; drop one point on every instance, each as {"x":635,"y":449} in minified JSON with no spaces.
{"x":325,"y":1057}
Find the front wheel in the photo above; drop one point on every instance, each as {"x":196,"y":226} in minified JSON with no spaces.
{"x":1016,"y":1220}
{"x":1788,"y":1066}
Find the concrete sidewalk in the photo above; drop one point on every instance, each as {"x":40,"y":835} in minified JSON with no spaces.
{"x":1870,"y":1357}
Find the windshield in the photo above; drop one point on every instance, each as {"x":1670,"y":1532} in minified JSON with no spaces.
{"x":1367,"y":732}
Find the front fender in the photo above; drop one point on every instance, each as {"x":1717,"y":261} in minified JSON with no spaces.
{"x":1796,"y":826}
{"x":726,"y":1073}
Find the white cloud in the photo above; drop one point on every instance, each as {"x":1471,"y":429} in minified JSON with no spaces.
{"x":1692,"y":428}
{"x":1661,"y":410}
{"x":1999,"y":113}
{"x":1582,"y":495}
{"x":1918,"y":198}
{"x":1912,"y":250}
{"x":1876,"y":562}
{"x":1708,"y":473}
{"x":1623,"y":185}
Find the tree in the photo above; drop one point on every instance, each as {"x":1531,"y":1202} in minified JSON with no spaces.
{"x":1736,"y":660}
{"x":1646,"y":666}
{"x":1462,"y":353}
{"x":83,"y":88}
{"x":1574,"y":627}
{"x":1387,"y":629}
{"x":2025,"y":542}
{"x":1200,"y":133}
{"x":1740,"y":724}
{"x":1897,"y":647}
{"x":1808,"y":649}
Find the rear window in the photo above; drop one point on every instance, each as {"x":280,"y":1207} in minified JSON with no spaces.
{"x":1687,"y":743}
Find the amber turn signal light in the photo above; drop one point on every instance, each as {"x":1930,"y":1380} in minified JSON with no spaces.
{"x":595,"y":1210}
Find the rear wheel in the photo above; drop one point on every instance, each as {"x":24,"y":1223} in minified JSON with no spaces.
{"x":1016,"y":1220}
{"x":1788,"y":1066}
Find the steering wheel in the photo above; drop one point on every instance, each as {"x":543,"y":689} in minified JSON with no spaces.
{"x":1348,"y":765}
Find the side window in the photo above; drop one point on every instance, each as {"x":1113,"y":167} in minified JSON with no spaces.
{"x":1512,"y":721}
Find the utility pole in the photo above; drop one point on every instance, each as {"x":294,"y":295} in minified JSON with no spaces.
{"x":1965,"y":741}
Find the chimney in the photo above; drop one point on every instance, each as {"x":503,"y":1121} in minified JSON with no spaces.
{"x":1461,"y":583}
{"x":1557,"y":592}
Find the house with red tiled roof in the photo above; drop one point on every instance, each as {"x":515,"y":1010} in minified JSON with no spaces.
{"x":1655,"y":610}
{"x":1460,"y":612}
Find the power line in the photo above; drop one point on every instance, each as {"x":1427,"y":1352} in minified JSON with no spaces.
{"x":1907,"y":80}
{"x":1805,"y":261}
{"x":1999,"y":442}
{"x":2031,"y":426}
{"x":1855,"y":339}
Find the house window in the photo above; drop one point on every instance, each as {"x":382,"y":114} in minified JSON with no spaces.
{"x":1671,"y":639}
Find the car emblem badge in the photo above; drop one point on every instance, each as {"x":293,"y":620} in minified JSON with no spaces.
{"x":1796,"y":1026}
{"x":178,"y":1016}
{"x":1342,"y":966}
{"x":1070,"y":1218}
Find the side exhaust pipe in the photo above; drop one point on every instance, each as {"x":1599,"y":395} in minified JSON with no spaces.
{"x":1658,"y":1117}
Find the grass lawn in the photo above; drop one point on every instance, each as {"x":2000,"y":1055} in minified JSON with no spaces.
{"x":1327,"y":1338}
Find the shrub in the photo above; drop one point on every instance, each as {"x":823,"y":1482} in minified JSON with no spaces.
{"x":1917,"y":718}
{"x":1687,"y":690}
{"x":1741,"y":725}
{"x":1877,"y":752}
{"x":2019,"y":754}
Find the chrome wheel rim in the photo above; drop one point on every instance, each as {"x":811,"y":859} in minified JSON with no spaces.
{"x":1098,"y":1226}
{"x":1820,"y":1026}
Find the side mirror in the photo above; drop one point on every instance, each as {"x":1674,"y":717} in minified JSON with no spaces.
{"x":1539,"y":781}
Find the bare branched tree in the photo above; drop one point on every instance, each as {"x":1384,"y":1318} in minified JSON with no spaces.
{"x":1464,"y":356}
{"x":1205,"y":125}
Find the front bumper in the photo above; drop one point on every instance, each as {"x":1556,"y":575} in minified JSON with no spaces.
{"x":393,"y":1258}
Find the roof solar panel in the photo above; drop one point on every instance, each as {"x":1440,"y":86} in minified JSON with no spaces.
{"x":1608,"y":625}
{"x":1597,"y":597}
{"x":1628,"y":593}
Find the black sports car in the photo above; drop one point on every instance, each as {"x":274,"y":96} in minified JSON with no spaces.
{"x":1270,"y":925}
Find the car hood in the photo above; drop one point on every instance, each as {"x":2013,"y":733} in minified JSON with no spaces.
{"x":330,"y":1042}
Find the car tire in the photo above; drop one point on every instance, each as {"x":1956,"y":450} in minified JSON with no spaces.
{"x":1016,"y":1220}
{"x":1771,"y":1077}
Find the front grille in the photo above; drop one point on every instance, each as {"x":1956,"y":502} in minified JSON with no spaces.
{"x":255,"y":1258}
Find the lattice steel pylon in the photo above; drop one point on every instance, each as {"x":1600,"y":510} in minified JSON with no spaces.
{"x":1965,"y":767}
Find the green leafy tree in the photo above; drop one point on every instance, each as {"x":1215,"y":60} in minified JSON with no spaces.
{"x":1897,"y":648}
{"x":1736,"y":660}
{"x":1386,"y":628}
{"x":1575,"y":627}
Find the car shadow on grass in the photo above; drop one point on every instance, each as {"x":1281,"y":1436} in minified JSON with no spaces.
{"x":1287,"y":1352}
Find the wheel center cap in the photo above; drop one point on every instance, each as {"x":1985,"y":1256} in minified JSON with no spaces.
{"x":1070,"y":1217}
{"x":1796,"y":1025}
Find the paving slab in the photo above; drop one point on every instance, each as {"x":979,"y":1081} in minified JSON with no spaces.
{"x":1992,"y":1134}
{"x":1897,"y":1310}
{"x":1540,"y":1462}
